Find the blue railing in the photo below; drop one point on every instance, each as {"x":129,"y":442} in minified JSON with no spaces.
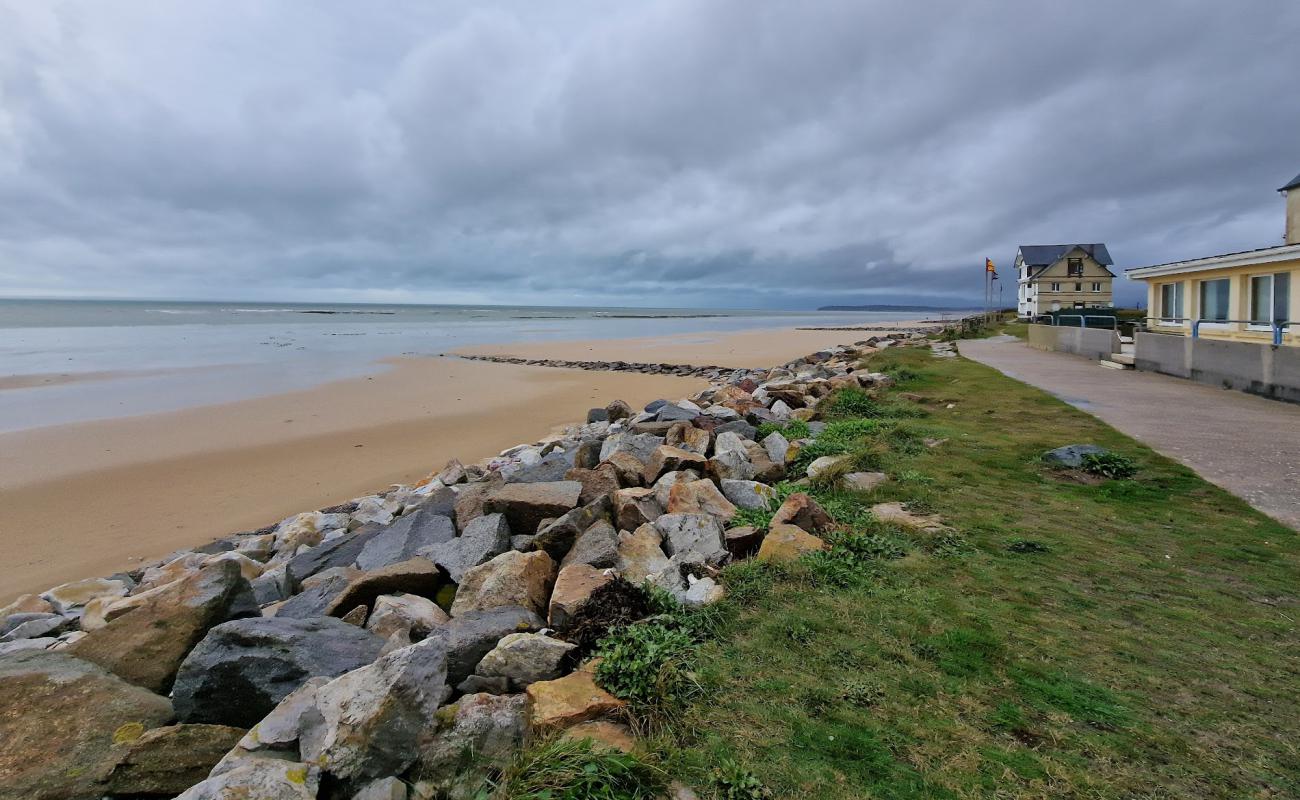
{"x":1083,"y":319}
{"x":1277,"y":327}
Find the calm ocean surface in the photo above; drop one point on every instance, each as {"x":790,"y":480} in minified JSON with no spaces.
{"x":180,"y":354}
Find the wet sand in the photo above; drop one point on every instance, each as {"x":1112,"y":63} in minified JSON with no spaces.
{"x":93,"y":498}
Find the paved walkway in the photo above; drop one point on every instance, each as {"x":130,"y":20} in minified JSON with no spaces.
{"x":1245,"y":444}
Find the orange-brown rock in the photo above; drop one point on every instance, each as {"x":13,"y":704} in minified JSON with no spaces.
{"x":573,"y":587}
{"x":685,"y":436}
{"x":788,"y":543}
{"x":635,"y":506}
{"x":602,"y":733}
{"x":567,"y":701}
{"x":510,"y":579}
{"x":629,"y":468}
{"x":671,"y":459}
{"x":801,"y":510}
{"x":700,"y":497}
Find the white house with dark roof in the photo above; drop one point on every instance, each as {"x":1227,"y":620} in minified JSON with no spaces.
{"x":1051,"y":277}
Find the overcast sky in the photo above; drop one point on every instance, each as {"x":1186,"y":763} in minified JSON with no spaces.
{"x":732,"y":153}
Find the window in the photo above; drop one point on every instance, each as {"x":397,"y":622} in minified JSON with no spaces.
{"x":1096,"y":287}
{"x":1074,"y":267}
{"x":1270,"y":297}
{"x":1056,"y":287}
{"x":1171,"y":302}
{"x":1214,"y":299}
{"x":1078,"y":287}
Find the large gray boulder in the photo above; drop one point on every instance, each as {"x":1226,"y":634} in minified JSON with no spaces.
{"x":32,"y":625}
{"x":484,"y":538}
{"x":1072,"y":454}
{"x":341,"y":551}
{"x":748,"y":494}
{"x":640,"y":445}
{"x":470,"y":636}
{"x":490,"y":727}
{"x":692,"y":533}
{"x":597,"y":546}
{"x":147,"y":644}
{"x":406,"y":538}
{"x":61,"y":720}
{"x":550,"y":469}
{"x":242,"y":669}
{"x":558,"y":537}
{"x":317,"y":599}
{"x":367,"y":724}
{"x":524,"y":658}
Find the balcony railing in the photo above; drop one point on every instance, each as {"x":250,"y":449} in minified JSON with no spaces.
{"x":1275,"y":327}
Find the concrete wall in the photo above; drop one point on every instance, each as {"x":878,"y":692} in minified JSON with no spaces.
{"x":1089,"y":342}
{"x":1256,"y":368}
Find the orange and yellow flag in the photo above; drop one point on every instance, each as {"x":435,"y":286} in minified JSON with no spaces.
{"x":988,"y":266}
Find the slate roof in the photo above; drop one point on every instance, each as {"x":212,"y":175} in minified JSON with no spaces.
{"x":1294,"y":184}
{"x":1042,"y":255}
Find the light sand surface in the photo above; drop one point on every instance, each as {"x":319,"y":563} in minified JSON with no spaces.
{"x":60,"y":378}
{"x":764,"y":348}
{"x":90,"y":499}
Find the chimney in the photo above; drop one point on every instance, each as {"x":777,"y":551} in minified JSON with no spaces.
{"x":1292,"y":193}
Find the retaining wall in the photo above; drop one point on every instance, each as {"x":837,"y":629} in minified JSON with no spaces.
{"x":1261,"y":369}
{"x":1093,"y":343}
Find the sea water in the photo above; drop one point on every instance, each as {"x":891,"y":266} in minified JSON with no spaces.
{"x":149,"y":356}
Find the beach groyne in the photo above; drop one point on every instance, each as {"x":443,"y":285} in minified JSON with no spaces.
{"x":362,"y":649}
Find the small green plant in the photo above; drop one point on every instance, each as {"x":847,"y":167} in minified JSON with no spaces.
{"x":1109,"y":465}
{"x":564,"y":769}
{"x":847,"y":403}
{"x":915,"y":477}
{"x":903,"y":374}
{"x":734,"y":782}
{"x":794,"y":429}
{"x":862,"y":693}
{"x":1027,"y":546}
{"x":648,"y":665}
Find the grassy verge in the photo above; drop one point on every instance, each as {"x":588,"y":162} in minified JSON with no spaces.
{"x":1066,"y":638}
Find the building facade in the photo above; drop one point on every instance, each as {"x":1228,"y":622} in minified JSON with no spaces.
{"x":1250,"y":296}
{"x":1053,"y":277}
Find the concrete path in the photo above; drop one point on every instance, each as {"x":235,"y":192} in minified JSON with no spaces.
{"x":1245,"y":444}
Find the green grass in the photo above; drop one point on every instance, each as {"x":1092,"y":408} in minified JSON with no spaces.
{"x":1112,"y":639}
{"x":560,"y":769}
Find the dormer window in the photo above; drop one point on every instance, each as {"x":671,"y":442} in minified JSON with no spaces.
{"x":1074,"y":267}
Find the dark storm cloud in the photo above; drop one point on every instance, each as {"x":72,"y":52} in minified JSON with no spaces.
{"x":671,"y":153}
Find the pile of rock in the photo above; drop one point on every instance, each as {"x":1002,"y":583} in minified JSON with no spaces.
{"x":360,"y":651}
{"x":710,"y":373}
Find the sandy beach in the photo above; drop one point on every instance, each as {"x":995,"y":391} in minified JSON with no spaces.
{"x":93,"y":498}
{"x":748,"y":349}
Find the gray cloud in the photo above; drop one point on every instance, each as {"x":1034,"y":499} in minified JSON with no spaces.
{"x":666,"y":153}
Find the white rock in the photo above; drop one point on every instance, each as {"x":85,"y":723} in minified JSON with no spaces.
{"x":729,"y":441}
{"x":702,"y":591}
{"x":370,"y":719}
{"x":261,"y":779}
{"x":777,"y":447}
{"x":820,"y":465}
{"x":69,"y":597}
